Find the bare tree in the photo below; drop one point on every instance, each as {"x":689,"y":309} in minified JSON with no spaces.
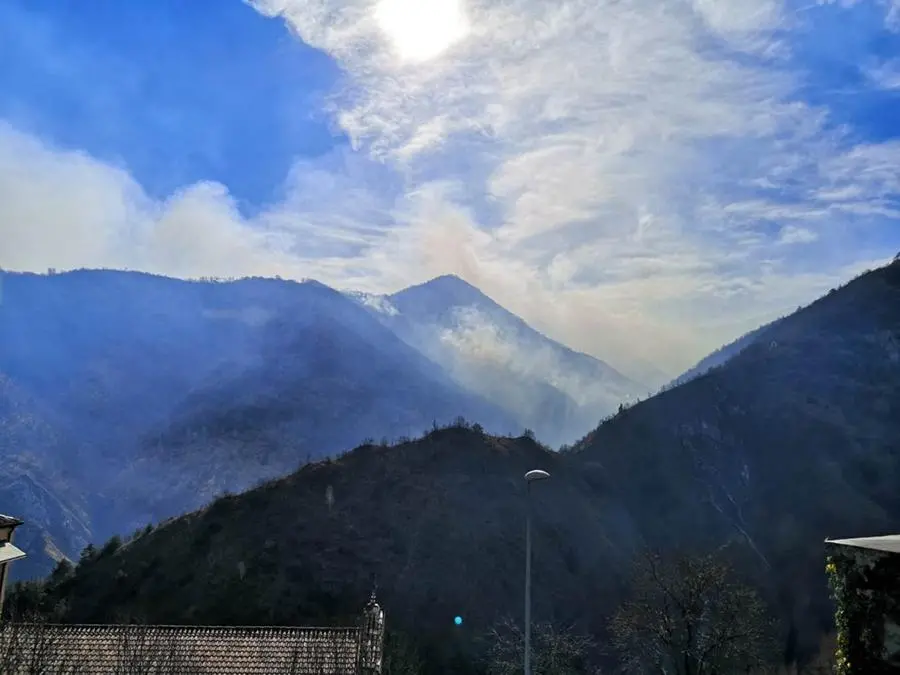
{"x":687,"y":617}
{"x":142,"y":650}
{"x":554,"y":650}
{"x":29,"y":645}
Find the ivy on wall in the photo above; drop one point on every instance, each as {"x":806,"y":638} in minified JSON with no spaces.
{"x":865,"y":585}
{"x":838,"y":586}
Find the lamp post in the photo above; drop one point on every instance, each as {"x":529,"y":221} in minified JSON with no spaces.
{"x":530,"y":477}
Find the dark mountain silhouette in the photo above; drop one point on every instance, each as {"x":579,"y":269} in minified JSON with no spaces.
{"x":787,"y":443}
{"x":557,"y":392}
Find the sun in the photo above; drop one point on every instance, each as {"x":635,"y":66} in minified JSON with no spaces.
{"x":421,"y":29}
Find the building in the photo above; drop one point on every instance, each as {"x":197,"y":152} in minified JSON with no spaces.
{"x":125,"y":649}
{"x":8,"y":552}
{"x":864,"y":575}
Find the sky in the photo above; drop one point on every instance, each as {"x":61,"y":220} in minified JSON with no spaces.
{"x":643,"y":180}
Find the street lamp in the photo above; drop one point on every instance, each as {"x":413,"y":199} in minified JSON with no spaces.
{"x":530,"y":477}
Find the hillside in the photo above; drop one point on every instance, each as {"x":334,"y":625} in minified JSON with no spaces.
{"x":722,"y":355}
{"x":437,"y":523}
{"x":794,"y":439}
{"x":558,"y":393}
{"x":154,"y":393}
{"x":785,"y":444}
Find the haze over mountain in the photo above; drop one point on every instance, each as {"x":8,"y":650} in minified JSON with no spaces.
{"x":152,"y":395}
{"x":792,"y":440}
{"x":558,"y":393}
{"x":156,"y":394}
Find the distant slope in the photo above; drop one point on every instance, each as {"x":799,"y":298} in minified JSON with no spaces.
{"x":33,"y":452}
{"x":155,"y":393}
{"x":785,"y":444}
{"x":327,"y":376}
{"x":723,"y":354}
{"x":555,"y":391}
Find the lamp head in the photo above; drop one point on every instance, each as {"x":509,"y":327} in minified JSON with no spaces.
{"x":535,"y":475}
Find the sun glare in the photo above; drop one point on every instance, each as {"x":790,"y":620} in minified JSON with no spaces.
{"x":420,"y":30}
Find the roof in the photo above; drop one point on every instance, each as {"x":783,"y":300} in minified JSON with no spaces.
{"x":8,"y":552}
{"x":198,"y":650}
{"x":888,"y":544}
{"x":6,"y":521}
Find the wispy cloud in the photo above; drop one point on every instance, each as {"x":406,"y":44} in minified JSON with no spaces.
{"x":640,"y":160}
{"x":885,"y":75}
{"x":626,"y":175}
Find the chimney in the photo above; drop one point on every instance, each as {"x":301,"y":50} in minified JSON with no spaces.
{"x":8,"y":552}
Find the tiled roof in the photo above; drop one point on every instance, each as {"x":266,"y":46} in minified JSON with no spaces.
{"x":185,"y":650}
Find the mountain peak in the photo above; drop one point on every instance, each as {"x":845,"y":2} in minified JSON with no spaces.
{"x":449,"y":289}
{"x":448,"y":282}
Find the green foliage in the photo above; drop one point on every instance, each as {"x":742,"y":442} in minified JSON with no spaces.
{"x":843,"y":610}
{"x":88,"y":553}
{"x":401,"y":656}
{"x":111,"y":546}
{"x":25,"y":598}
{"x":64,"y":570}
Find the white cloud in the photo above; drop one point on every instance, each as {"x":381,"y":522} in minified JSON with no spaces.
{"x":612,"y":171}
{"x":793,"y":234}
{"x":885,"y":75}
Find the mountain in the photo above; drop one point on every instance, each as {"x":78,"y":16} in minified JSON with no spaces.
{"x":149,"y":395}
{"x":327,"y":376}
{"x":558,"y":393}
{"x":792,"y":440}
{"x":723,"y":354}
{"x":726,"y":352}
{"x":34,"y":447}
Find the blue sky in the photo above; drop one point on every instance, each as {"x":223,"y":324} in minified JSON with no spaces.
{"x":615,"y":172}
{"x":174,"y":91}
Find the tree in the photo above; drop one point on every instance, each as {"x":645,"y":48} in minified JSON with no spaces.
{"x":555,"y":650}
{"x":63,"y":570}
{"x":29,"y":645}
{"x":111,"y":546}
{"x":141,"y":650}
{"x":400,"y":655}
{"x":687,"y":617}
{"x":88,"y":553}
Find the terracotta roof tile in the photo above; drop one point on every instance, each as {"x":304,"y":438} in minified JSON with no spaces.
{"x":186,"y":650}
